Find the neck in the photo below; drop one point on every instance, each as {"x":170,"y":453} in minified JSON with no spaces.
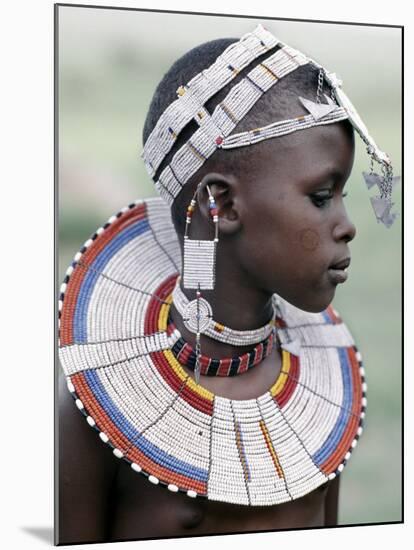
{"x":235,"y":301}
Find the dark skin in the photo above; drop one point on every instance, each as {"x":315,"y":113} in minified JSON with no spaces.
{"x":294,"y":207}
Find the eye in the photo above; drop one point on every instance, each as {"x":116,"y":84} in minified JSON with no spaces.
{"x":321,"y":199}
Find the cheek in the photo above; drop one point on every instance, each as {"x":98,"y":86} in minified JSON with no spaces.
{"x":308,"y":239}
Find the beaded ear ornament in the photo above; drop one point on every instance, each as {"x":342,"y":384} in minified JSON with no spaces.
{"x":199,"y":274}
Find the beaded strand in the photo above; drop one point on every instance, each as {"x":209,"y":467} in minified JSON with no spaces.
{"x":199,"y":273}
{"x":218,"y":331}
{"x":232,"y":366}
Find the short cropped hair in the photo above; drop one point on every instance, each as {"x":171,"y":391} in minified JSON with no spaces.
{"x":278,"y":103}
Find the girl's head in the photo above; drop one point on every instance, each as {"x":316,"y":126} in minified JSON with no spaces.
{"x":282,"y":219}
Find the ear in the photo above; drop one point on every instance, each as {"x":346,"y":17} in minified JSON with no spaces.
{"x":225,"y":190}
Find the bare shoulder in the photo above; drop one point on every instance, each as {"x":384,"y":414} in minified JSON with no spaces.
{"x":86,"y":474}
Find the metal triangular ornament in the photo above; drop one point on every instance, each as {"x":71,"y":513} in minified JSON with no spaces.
{"x":389,"y":218}
{"x":372,"y":178}
{"x":380,"y":206}
{"x":317,"y":110}
{"x":292,"y":347}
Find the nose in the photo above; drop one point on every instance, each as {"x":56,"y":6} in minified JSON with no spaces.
{"x":344,"y":229}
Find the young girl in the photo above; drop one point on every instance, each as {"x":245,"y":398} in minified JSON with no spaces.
{"x":197,"y":335}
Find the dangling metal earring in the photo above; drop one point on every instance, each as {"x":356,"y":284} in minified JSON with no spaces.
{"x":199,"y":274}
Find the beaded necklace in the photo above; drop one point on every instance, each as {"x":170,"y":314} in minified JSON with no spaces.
{"x":229,"y":366}
{"x":124,"y":378}
{"x":218,"y":331}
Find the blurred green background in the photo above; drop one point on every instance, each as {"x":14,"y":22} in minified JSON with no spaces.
{"x":110,"y":62}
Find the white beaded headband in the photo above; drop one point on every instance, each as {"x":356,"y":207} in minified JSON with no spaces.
{"x":214,"y":130}
{"x":200,"y":89}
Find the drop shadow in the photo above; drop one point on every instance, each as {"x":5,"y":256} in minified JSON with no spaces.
{"x":42,"y":533}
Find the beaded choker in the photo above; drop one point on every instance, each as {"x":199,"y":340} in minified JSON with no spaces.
{"x":216,"y":330}
{"x":232,"y":366}
{"x":115,"y":352}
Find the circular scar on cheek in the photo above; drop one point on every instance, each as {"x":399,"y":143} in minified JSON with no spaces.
{"x":309,"y":239}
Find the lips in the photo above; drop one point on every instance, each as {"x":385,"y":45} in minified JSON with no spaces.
{"x":337,"y":271}
{"x":342,"y":264}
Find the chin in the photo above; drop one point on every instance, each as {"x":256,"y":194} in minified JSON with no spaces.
{"x":314,"y":305}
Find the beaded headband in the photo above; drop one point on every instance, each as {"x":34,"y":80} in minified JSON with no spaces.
{"x":214,"y":130}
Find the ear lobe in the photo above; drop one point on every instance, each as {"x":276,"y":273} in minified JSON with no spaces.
{"x":224,"y":190}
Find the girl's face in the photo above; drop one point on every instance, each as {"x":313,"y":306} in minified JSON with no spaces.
{"x":295,"y":224}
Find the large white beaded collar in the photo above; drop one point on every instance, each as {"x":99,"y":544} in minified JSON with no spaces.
{"x":115,"y":353}
{"x":213,"y":130}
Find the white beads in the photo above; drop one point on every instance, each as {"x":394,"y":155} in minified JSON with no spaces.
{"x":104,"y":437}
{"x":199,"y":89}
{"x":153,"y":479}
{"x":191,"y":494}
{"x":118,"y":453}
{"x":136,"y":467}
{"x":227,"y":114}
{"x":281,"y":128}
{"x":79,"y":404}
{"x":90,"y":421}
{"x":70,"y":386}
{"x":197,"y":315}
{"x":199,"y":264}
{"x":173,"y":488}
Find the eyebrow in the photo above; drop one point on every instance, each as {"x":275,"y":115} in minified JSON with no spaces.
{"x":331,"y":174}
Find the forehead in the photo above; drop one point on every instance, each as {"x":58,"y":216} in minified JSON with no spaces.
{"x":310,"y":153}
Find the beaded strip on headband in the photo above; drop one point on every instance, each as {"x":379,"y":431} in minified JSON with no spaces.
{"x":200,"y":89}
{"x":216,"y":330}
{"x":282,"y":128}
{"x":229,"y":366}
{"x":227,"y":114}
